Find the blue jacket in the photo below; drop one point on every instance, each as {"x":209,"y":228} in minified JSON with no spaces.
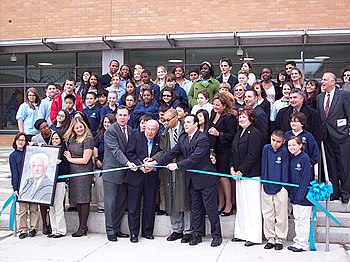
{"x":154,"y":87}
{"x":93,"y":116}
{"x":275,"y":167}
{"x":107,"y":110}
{"x":16,"y":160}
{"x":300,"y":174}
{"x":310,"y":145}
{"x":140,"y":110}
{"x":181,"y":93}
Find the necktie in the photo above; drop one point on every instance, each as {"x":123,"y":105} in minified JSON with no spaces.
{"x":326,"y":109}
{"x":124,"y":133}
{"x":295,"y":110}
{"x":189,"y":139}
{"x":175,"y":135}
{"x":149,"y":146}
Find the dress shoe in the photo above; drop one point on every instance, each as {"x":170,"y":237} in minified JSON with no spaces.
{"x":295,"y":249}
{"x":122,"y":235}
{"x":174,"y":236}
{"x":161,"y":212}
{"x":22,"y":235}
{"x":79,"y":233}
{"x":235,"y":239}
{"x":269,"y":246}
{"x":249,"y":244}
{"x":112,"y":238}
{"x":278,"y":246}
{"x":186,"y":238}
{"x":226,"y":214}
{"x":32,"y":233}
{"x":58,"y":236}
{"x":149,"y":236}
{"x":100,"y":210}
{"x":196,"y":239}
{"x":71,"y":209}
{"x":216,"y":242}
{"x":334,"y":197}
{"x":344,"y":199}
{"x":50,"y":235}
{"x":134,"y":238}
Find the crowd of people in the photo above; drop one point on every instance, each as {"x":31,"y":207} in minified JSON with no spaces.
{"x":246,"y":125}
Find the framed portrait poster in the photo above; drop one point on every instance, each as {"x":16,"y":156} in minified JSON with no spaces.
{"x":39,"y":175}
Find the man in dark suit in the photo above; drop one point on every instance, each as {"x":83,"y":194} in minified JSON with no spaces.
{"x":297,"y":104}
{"x":115,"y":193}
{"x":38,"y":187}
{"x":194,"y":147}
{"x":173,"y":183}
{"x":107,"y":78}
{"x":142,"y":184}
{"x":262,"y":120}
{"x":334,"y":110}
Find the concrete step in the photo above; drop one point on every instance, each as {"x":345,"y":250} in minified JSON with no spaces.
{"x":5,"y":193}
{"x":337,"y":206}
{"x":344,"y":218}
{"x":337,"y":235}
{"x":5,"y":182}
{"x":4,"y":221}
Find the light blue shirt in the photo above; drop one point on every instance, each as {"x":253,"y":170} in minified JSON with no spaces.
{"x":28,"y":116}
{"x":45,"y":109}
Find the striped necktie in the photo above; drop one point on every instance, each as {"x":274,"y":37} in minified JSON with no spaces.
{"x":175,"y":135}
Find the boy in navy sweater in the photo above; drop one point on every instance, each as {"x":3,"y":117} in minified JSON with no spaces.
{"x":300,"y":174}
{"x":274,"y":198}
{"x":92,"y":112}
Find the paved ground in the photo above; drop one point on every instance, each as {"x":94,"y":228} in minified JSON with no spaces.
{"x":95,"y":247}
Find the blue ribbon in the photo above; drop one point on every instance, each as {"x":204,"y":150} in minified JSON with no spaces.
{"x":318,"y":192}
{"x":11,"y":200}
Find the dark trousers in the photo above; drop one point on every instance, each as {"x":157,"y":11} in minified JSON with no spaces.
{"x":135,"y":194}
{"x":205,"y":200}
{"x":115,"y":205}
{"x":338,"y":163}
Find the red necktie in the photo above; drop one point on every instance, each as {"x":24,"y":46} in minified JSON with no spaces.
{"x":326,"y":109}
{"x":295,"y":110}
{"x":124,"y":133}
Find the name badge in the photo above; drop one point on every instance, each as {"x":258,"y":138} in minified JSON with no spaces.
{"x":341,"y":122}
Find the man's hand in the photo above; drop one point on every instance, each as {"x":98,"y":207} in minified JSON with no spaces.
{"x":132,"y":166}
{"x":16,"y":194}
{"x":150,"y":163}
{"x":172,"y":166}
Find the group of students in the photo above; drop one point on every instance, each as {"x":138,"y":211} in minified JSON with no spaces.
{"x":226,"y":107}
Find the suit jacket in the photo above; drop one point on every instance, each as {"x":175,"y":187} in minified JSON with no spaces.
{"x":262,"y":123}
{"x":136,"y":152}
{"x":232,"y":80}
{"x":114,"y":153}
{"x":106,"y":80}
{"x":43,"y":193}
{"x":182,"y":201}
{"x":337,"y":123}
{"x":313,"y":120}
{"x":196,"y":156}
{"x":246,"y":152}
{"x":227,"y":126}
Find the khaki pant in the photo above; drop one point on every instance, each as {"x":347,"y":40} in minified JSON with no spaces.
{"x":275,"y":214}
{"x":302,"y":216}
{"x":34,"y":216}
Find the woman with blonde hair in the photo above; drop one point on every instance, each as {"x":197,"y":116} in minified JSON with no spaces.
{"x":27,"y":113}
{"x":239,"y":92}
{"x":80,"y":145}
{"x":161,"y":73}
{"x":297,"y":78}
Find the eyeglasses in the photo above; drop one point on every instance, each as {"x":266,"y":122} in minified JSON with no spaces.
{"x":346,"y":75}
{"x":167,"y":95}
{"x":239,"y":90}
{"x":168,"y":119}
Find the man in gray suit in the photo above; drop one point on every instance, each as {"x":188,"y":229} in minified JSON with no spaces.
{"x":115,"y":192}
{"x":334,"y":109}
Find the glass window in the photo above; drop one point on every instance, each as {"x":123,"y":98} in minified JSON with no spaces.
{"x":11,"y":76}
{"x":51,"y":59}
{"x":90,"y":59}
{"x":48,"y":74}
{"x":11,"y":98}
{"x":8,"y":60}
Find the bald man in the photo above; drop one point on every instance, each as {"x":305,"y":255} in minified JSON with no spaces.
{"x":334,"y":109}
{"x":143,"y":182}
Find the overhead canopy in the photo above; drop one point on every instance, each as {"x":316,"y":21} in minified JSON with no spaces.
{"x":179,"y":40}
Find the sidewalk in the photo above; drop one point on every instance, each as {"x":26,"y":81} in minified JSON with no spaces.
{"x":95,"y":247}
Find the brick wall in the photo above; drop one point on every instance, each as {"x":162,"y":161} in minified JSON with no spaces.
{"x":36,"y":19}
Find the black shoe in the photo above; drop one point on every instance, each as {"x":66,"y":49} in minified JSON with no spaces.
{"x":100,"y":210}
{"x":50,"y":235}
{"x":47,"y":232}
{"x":278,"y":246}
{"x":235,"y":239}
{"x":32,"y":233}
{"x":269,"y":246}
{"x":174,"y":236}
{"x":79,"y":233}
{"x":186,"y":238}
{"x":149,"y":236}
{"x":295,"y":249}
{"x":122,"y":235}
{"x":226,"y":214}
{"x":334,"y":197}
{"x":58,"y":236}
{"x":22,"y":235}
{"x":161,"y":212}
{"x":134,"y":238}
{"x":344,"y":199}
{"x":196,"y":239}
{"x":216,"y":242}
{"x":71,"y":209}
{"x":249,"y":244}
{"x":290,"y":247}
{"x":112,"y":238}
